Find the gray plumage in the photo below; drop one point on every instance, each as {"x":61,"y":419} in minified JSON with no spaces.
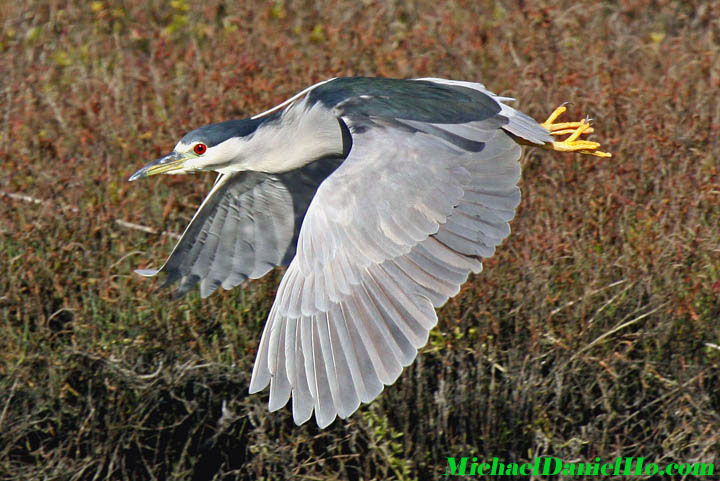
{"x":247,"y":225}
{"x":381,"y":217}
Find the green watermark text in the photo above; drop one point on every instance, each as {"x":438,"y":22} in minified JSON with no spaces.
{"x":549,"y":465}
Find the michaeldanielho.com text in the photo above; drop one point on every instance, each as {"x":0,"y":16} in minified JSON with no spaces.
{"x":548,"y":466}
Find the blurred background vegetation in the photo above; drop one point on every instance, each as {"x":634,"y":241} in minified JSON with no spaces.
{"x":594,"y":330}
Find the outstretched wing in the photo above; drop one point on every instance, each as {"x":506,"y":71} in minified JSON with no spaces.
{"x":389,"y":236}
{"x":247,"y":224}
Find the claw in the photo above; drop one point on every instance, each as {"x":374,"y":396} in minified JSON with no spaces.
{"x":574,"y":130}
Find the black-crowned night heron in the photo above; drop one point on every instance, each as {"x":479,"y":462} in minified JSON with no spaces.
{"x":381,"y":195}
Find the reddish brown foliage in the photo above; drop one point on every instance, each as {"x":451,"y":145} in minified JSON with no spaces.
{"x":594,"y":331}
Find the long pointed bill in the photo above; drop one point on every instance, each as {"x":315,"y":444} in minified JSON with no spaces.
{"x":163,"y":165}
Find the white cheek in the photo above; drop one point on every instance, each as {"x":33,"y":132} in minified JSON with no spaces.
{"x":213,"y":158}
{"x":224,"y":157}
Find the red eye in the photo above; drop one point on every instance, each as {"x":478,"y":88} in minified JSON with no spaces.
{"x":200,"y":149}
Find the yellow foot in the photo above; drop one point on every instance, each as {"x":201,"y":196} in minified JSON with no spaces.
{"x":575,"y":130}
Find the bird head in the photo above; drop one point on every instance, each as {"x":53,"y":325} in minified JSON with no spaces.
{"x":212,"y":147}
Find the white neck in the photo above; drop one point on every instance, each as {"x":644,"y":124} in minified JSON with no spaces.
{"x":298,"y":137}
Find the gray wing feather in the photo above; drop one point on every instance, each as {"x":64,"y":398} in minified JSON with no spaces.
{"x":306,"y":344}
{"x":302,"y":400}
{"x":243,"y":256}
{"x":248,"y":224}
{"x":325,"y":412}
{"x":226,"y":249}
{"x":519,"y":123}
{"x":280,"y":388}
{"x":349,"y":383}
{"x":327,"y":353}
{"x":389,"y":236}
{"x":208,"y":254}
{"x":362,"y":381}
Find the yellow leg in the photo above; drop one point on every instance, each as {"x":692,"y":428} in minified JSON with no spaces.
{"x":575,"y":130}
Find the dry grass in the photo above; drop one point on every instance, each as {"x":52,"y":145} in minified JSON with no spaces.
{"x":594,"y":331}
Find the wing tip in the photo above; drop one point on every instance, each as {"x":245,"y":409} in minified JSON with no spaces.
{"x":257,"y":386}
{"x":147,"y":272}
{"x":259,"y":380}
{"x":301,"y":414}
{"x":275,"y":405}
{"x":279,"y":395}
{"x":324,"y":421}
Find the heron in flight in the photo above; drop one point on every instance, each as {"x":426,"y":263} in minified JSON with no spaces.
{"x":381,"y":196}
